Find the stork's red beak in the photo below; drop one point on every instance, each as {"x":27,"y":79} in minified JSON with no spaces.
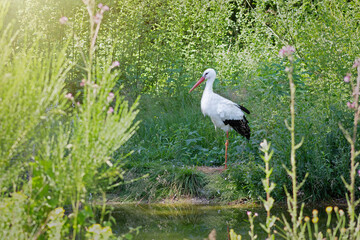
{"x":197,"y":84}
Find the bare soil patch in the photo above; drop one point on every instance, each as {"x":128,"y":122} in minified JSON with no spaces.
{"x":210,"y":170}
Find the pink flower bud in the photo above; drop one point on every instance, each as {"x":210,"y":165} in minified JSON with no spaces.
{"x":115,"y":64}
{"x":356,"y":63}
{"x":347,"y":77}
{"x":69,"y":96}
{"x":359,"y":172}
{"x":286,"y":51}
{"x":110,"y":97}
{"x":248,"y":213}
{"x":111,"y":110}
{"x":105,"y":8}
{"x":82,"y":83}
{"x":63,"y":20}
{"x":98,"y":17}
{"x":100,"y":5}
{"x":351,"y":105}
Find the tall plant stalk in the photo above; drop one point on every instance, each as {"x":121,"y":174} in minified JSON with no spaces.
{"x":268,"y":187}
{"x":353,"y":153}
{"x":288,"y":51}
{"x":353,"y":150}
{"x":90,"y":86}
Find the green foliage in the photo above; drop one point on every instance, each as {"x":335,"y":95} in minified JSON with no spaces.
{"x":246,"y":60}
{"x":34,"y":84}
{"x":56,"y":149}
{"x":162,"y":47}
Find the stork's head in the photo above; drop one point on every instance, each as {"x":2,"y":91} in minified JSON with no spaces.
{"x":208,"y":74}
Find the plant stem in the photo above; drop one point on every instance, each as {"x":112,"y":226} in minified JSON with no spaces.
{"x":293,"y":148}
{"x":351,"y":210}
{"x":268,"y":185}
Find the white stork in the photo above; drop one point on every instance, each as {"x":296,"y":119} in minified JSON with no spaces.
{"x":224,"y":113}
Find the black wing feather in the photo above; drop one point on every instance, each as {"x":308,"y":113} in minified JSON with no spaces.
{"x":240,"y":125}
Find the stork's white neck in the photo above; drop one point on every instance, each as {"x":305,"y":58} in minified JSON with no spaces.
{"x":209,"y":85}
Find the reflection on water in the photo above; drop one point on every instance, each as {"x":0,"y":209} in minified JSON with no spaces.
{"x":184,"y":221}
{"x":159,"y":221}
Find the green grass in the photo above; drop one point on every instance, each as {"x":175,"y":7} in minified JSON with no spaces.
{"x":174,"y":133}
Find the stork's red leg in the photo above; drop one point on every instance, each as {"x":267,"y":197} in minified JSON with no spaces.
{"x":226,"y":147}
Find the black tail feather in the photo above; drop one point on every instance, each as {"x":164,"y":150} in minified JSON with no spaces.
{"x":241,"y":126}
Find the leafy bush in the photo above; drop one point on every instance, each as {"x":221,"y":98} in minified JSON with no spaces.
{"x":56,"y":146}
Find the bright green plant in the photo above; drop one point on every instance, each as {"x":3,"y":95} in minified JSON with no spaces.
{"x":33,"y":84}
{"x":268,"y":187}
{"x":57,"y":146}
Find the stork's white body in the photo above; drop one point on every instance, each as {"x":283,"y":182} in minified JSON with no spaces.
{"x":218,"y":108}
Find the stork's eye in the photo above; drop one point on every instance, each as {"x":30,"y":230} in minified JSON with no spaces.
{"x":206,"y":73}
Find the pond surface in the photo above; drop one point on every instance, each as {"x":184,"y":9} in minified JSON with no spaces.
{"x":161,"y":221}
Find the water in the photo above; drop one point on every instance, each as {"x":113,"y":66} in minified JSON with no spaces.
{"x":188,"y":221}
{"x":159,"y":221}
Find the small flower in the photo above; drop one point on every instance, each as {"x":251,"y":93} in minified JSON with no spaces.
{"x":359,"y":172}
{"x":78,"y":104}
{"x":103,"y":8}
{"x":336,"y":209}
{"x":256,"y":214}
{"x":286,"y":51}
{"x":248,"y":213}
{"x":315,"y":212}
{"x":56,"y":213}
{"x":315,"y":219}
{"x":356,"y":63}
{"x":95,"y":228}
{"x":82,"y":83}
{"x":264,"y":144}
{"x":307,"y":219}
{"x":351,"y":105}
{"x":347,"y":77}
{"x":115,"y":64}
{"x":63,"y":20}
{"x":341,"y":212}
{"x":111,"y":110}
{"x":110,"y":97}
{"x":59,"y":211}
{"x":97,"y":18}
{"x":69,"y":96}
{"x":329,"y":209}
